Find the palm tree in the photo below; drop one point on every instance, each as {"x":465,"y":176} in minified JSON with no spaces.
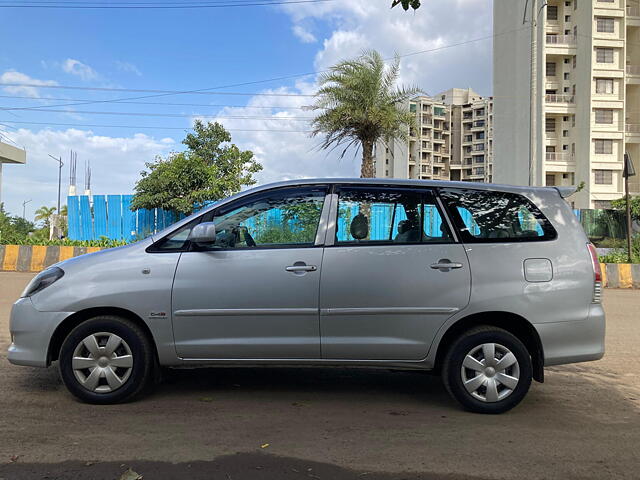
{"x":359,"y":104}
{"x":43,"y":214}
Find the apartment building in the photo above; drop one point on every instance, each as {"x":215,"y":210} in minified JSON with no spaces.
{"x":453,"y":140}
{"x":567,"y":95}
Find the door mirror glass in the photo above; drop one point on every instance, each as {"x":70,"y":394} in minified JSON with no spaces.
{"x":203,"y":234}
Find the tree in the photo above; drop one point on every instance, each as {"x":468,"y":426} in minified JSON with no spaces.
{"x":209,"y":170}
{"x":359,"y":105}
{"x":43,"y":214}
{"x":415,"y":4}
{"x":621,"y":204}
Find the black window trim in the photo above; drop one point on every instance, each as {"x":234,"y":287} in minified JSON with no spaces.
{"x":237,"y":203}
{"x":466,"y":237}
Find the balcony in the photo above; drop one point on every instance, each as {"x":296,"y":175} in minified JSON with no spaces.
{"x":561,"y":40}
{"x":633,"y":11}
{"x":558,"y":157}
{"x":560,"y":98}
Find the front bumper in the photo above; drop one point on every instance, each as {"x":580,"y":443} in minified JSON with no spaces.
{"x":574,"y":341}
{"x":31,"y":332}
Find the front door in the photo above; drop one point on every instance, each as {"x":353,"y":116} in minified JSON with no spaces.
{"x":392,"y":278}
{"x":254,"y":295}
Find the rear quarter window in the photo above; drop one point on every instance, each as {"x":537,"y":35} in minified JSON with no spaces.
{"x":483,"y":216}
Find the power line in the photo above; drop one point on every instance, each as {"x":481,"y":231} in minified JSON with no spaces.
{"x":180,"y":115}
{"x":82,"y":125}
{"x":251,"y":3}
{"x":171,"y":104}
{"x":207,"y":91}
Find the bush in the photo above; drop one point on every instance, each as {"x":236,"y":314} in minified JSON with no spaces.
{"x":620,"y":254}
{"x":104,"y":242}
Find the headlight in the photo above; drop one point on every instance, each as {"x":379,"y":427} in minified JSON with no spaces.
{"x":43,"y":280}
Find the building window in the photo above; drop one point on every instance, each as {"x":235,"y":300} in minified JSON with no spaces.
{"x":480,"y":112}
{"x":478,"y":158}
{"x":565,"y":133}
{"x":567,"y":76}
{"x":603,"y":177}
{"x":604,"y":55}
{"x":551,"y":69}
{"x":605,"y":25}
{"x":479,"y":135}
{"x":550,"y":125}
{"x":603,"y":147}
{"x":552,"y":12}
{"x":604,"y":85}
{"x":602,"y":204}
{"x":604,"y":116}
{"x":479,"y":171}
{"x":550,"y":180}
{"x":478,"y":147}
{"x":468,"y":138}
{"x":412,"y":107}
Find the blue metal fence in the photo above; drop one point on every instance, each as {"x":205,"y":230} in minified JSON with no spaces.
{"x":110,"y":216}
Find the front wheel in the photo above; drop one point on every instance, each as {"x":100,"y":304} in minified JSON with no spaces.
{"x":487,"y":370}
{"x":106,"y":359}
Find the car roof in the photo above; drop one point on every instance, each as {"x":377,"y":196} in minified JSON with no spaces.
{"x":405,"y":183}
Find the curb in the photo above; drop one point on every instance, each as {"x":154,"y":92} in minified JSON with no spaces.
{"x":34,"y":258}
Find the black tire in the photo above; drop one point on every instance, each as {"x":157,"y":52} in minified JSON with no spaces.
{"x":452,"y":374}
{"x":140,"y":375}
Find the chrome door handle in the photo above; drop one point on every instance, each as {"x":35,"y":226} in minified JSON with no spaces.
{"x":301,"y":268}
{"x":445,"y":265}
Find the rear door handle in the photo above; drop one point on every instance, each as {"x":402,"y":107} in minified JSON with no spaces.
{"x":301,"y":268}
{"x":444,"y":265}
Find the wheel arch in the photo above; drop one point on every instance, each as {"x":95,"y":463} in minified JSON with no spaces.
{"x":511,"y":322}
{"x":72,"y":321}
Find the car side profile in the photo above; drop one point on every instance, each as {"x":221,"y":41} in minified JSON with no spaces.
{"x":484,"y":284}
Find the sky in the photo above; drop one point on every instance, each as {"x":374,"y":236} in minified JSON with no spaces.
{"x":256,"y":66}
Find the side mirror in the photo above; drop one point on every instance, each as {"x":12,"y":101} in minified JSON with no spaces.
{"x":203,"y":234}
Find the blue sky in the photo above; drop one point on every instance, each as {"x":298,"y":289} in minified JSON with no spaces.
{"x":185,"y":49}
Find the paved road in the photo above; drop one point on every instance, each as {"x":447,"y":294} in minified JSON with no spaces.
{"x":584,"y":422}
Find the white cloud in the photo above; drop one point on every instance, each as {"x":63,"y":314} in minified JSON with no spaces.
{"x":116,"y":163}
{"x":128,"y":67}
{"x":359,"y":25}
{"x":11,"y":76}
{"x":303,"y":34}
{"x":79,"y":69}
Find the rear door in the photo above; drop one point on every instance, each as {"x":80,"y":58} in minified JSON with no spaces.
{"x":392,"y":274}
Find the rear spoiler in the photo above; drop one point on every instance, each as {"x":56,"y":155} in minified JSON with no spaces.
{"x":566,"y":191}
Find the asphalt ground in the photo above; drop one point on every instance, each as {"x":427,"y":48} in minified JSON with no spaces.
{"x":309,"y":423}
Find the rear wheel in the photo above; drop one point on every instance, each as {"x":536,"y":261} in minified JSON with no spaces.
{"x":106,"y":360}
{"x":487,"y":370}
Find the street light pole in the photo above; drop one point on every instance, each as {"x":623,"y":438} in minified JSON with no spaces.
{"x":628,"y":171}
{"x":24,"y":209}
{"x":59,"y":160}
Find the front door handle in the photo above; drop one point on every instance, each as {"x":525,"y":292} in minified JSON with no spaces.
{"x":301,"y":268}
{"x":444,"y":265}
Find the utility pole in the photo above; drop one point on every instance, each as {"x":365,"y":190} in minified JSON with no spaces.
{"x":24,"y":209}
{"x":628,"y":171}
{"x":533,"y":167}
{"x":59,"y":160}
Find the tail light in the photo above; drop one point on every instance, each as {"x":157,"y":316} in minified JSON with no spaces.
{"x":597,"y":274}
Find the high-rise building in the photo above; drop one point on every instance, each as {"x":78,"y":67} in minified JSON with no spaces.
{"x":567,"y":95}
{"x":453,"y":140}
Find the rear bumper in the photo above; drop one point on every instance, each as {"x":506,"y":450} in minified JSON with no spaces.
{"x":575,"y":341}
{"x":31,"y":332}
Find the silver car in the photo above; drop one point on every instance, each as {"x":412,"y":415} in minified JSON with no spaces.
{"x":484,"y":284}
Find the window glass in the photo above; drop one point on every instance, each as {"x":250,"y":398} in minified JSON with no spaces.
{"x":177,"y":240}
{"x":275,"y":218}
{"x":378,"y":216}
{"x":485,"y":216}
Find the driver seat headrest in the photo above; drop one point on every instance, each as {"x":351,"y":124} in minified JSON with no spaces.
{"x":359,"y":228}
